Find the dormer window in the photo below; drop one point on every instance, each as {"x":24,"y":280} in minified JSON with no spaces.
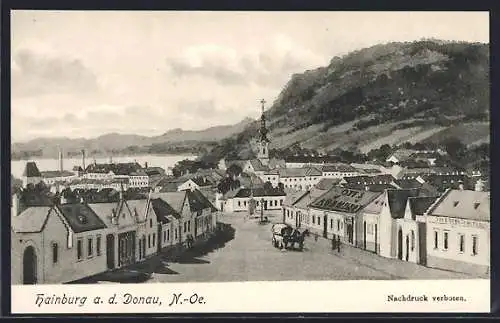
{"x":455,"y":203}
{"x":476,"y":205}
{"x":82,"y":219}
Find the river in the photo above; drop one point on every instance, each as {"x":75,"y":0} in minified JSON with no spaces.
{"x":45,"y":164}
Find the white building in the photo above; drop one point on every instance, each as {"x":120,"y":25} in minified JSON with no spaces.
{"x":458,"y":232}
{"x":301,"y":179}
{"x":338,"y":171}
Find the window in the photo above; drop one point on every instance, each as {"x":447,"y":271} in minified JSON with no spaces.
{"x":168,"y":235}
{"x":189,"y":225}
{"x":90,"y":244}
{"x":149,"y":241}
{"x":239,"y":203}
{"x":338,"y":225}
{"x":314,"y":219}
{"x":462,"y":242}
{"x":185,"y":226}
{"x":331,"y":223}
{"x":412,"y":240}
{"x":435,"y":239}
{"x":319,"y":220}
{"x":150,"y":223}
{"x":164,"y":236}
{"x":445,"y":240}
{"x":98,"y":245}
{"x":79,"y":249}
{"x":154,"y":239}
{"x":474,"y":245}
{"x":54,"y":252}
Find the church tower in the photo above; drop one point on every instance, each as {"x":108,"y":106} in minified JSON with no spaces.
{"x":263,"y":153}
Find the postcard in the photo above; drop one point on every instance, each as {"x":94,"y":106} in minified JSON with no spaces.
{"x":256,"y":162}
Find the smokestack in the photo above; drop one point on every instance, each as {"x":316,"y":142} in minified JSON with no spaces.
{"x":83,"y":159}
{"x":61,"y":168}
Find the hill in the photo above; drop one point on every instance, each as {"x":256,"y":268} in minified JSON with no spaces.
{"x":173,"y":141}
{"x":388,"y":93}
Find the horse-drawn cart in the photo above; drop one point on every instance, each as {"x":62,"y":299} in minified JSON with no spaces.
{"x":285,"y":237}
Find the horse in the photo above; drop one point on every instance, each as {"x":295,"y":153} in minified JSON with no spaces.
{"x":295,"y":236}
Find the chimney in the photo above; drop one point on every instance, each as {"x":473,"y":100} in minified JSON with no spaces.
{"x":83,"y":159}
{"x":15,"y":208}
{"x":61,"y":168}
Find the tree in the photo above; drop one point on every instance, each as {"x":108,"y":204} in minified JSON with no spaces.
{"x":268,"y":186}
{"x":234,"y":170}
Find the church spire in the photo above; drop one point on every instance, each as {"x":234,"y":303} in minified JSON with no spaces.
{"x":263,"y":129}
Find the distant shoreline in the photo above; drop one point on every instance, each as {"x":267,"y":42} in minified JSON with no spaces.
{"x":100,"y":156}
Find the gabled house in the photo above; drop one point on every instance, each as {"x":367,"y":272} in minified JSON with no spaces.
{"x":56,"y":243}
{"x":337,"y":213}
{"x":458,"y":232}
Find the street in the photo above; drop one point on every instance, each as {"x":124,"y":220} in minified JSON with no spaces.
{"x":250,"y":256}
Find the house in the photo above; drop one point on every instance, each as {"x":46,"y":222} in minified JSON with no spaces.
{"x":413,"y":229}
{"x":296,"y":210}
{"x":139,"y":178}
{"x":400,"y":155}
{"x":168,"y":220}
{"x":338,"y":171}
{"x":184,"y":226}
{"x":266,"y":199}
{"x":55,"y":242}
{"x":190,"y":184}
{"x":300,"y":178}
{"x":255,"y":166}
{"x":458,"y":232}
{"x":271,"y":176}
{"x":121,"y":235}
{"x":52,"y":177}
{"x":148,"y":234}
{"x":335,"y":214}
{"x":31,"y":174}
{"x":391,"y":232}
{"x":288,"y":203}
{"x":275,"y":163}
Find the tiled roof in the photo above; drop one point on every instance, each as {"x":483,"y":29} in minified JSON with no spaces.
{"x":258,"y":192}
{"x":293,"y":197}
{"x":163,"y":210}
{"x":407,"y":183}
{"x":105,"y":210}
{"x":300,"y":172}
{"x":305,"y":200}
{"x":201,"y":201}
{"x":370,"y":187}
{"x":56,"y":173}
{"x":81,"y":217}
{"x":138,"y":208}
{"x":377,"y":179}
{"x":344,"y":200}
{"x":257,"y":165}
{"x":418,"y":205}
{"x":338,"y":168}
{"x":327,"y":183}
{"x":31,"y":170}
{"x":30,"y":220}
{"x":397,"y":201}
{"x":463,"y":204}
{"x":375,"y":207}
{"x":117,"y":169}
{"x":174,"y":199}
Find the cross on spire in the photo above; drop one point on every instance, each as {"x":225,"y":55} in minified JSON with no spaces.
{"x":262,"y":102}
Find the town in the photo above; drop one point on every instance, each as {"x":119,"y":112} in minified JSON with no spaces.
{"x":106,"y":217}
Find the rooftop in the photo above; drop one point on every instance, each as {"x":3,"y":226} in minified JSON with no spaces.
{"x":463,"y":204}
{"x":344,"y":200}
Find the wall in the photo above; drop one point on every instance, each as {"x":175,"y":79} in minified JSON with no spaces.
{"x":453,"y":258}
{"x":372,"y":232}
{"x":409,"y":230}
{"x":19,"y":243}
{"x":240,"y":204}
{"x":386,"y":231}
{"x":302,"y":183}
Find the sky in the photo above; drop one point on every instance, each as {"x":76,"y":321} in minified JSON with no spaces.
{"x":88,"y":73}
